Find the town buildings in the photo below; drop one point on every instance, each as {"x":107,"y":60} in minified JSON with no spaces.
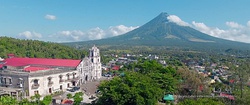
{"x":30,"y":76}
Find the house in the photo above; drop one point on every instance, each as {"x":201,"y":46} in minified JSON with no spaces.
{"x":115,"y":67}
{"x":30,"y":76}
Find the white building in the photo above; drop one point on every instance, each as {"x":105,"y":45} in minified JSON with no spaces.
{"x":90,"y":68}
{"x":47,"y":76}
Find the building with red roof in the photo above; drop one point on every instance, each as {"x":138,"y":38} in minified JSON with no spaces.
{"x":116,"y":67}
{"x":231,"y":97}
{"x":45,"y":76}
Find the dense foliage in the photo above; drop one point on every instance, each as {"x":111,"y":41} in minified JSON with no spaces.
{"x":201,"y":101}
{"x":9,"y":100}
{"x":131,"y":89}
{"x":78,"y":98}
{"x":144,"y":85}
{"x":37,"y":49}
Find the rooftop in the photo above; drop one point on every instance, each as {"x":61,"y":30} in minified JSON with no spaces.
{"x":17,"y":62}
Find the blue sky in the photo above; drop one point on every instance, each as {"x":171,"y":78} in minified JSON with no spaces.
{"x":80,"y":20}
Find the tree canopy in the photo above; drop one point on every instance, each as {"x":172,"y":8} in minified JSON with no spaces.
{"x":144,"y":86}
{"x":37,"y":49}
{"x":131,"y":89}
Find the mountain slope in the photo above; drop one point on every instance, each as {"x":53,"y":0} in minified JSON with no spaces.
{"x":161,"y":32}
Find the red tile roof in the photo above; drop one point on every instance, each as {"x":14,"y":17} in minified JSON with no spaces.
{"x":30,"y":69}
{"x":68,"y":102}
{"x":41,"y":61}
{"x":227,"y":96}
{"x":115,"y":67}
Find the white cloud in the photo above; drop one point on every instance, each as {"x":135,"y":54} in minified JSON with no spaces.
{"x":120,"y":29}
{"x":234,"y":25}
{"x":50,"y":17}
{"x":208,"y":30}
{"x":236,"y":32}
{"x":177,"y":20}
{"x":248,"y":24}
{"x":29,"y":35}
{"x":92,"y":34}
{"x":70,"y":35}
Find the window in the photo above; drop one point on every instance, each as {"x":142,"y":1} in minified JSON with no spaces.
{"x":20,"y":82}
{"x":50,"y":90}
{"x":36,"y":81}
{"x":92,"y":53}
{"x":60,"y":78}
{"x":49,"y":79}
{"x":61,"y":87}
{"x":74,"y":75}
{"x":68,"y":77}
{"x":5,"y":80}
{"x":36,"y":92}
{"x":10,"y":81}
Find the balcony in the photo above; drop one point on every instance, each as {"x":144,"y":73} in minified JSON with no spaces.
{"x":50,"y":83}
{"x":73,"y":79}
{"x":35,"y":86}
{"x":6,"y":84}
{"x":61,"y":80}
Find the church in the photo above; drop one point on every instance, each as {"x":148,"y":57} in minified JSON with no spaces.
{"x":45,"y":76}
{"x":90,"y":67}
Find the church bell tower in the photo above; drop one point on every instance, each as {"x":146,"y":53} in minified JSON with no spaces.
{"x":94,"y":55}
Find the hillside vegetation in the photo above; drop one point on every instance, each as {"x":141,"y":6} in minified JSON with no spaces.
{"x":37,"y":49}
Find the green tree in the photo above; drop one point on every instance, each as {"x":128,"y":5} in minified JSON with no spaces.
{"x":36,"y":98}
{"x":8,"y":100}
{"x":131,"y":89}
{"x":201,"y":101}
{"x":78,"y":98}
{"x":47,"y":100}
{"x":69,"y":96}
{"x":25,"y":102}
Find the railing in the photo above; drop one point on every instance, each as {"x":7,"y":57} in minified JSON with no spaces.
{"x":73,"y":79}
{"x":50,"y":83}
{"x":6,"y":84}
{"x":35,"y":86}
{"x":61,"y":80}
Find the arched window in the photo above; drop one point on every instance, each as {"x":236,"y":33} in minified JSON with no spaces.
{"x":74,"y":75}
{"x":36,"y":81}
{"x":68,"y":76}
{"x":49,"y":78}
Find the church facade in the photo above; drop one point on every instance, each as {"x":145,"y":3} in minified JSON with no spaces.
{"x":90,"y":67}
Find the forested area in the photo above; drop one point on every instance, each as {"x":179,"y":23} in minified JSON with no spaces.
{"x":37,"y":49}
{"x":146,"y":82}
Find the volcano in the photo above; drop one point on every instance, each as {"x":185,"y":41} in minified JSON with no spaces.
{"x":160,"y":31}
